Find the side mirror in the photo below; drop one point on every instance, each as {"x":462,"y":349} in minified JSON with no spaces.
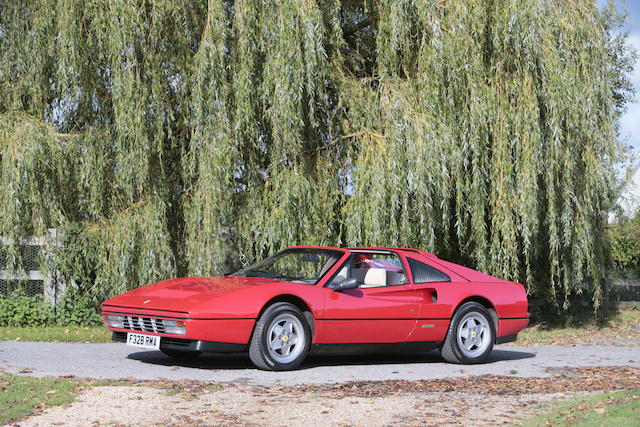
{"x":350,"y":283}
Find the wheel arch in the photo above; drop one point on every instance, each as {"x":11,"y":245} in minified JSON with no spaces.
{"x":294,"y":300}
{"x":484,"y":302}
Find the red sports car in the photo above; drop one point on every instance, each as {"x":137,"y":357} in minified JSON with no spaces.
{"x":316,"y":299}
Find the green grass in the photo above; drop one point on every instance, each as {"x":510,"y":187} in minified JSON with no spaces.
{"x":620,"y":409}
{"x":23,"y":396}
{"x":56,"y":334}
{"x":617,"y":326}
{"x":175,"y":391}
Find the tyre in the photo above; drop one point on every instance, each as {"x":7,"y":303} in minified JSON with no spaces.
{"x":180,"y":354}
{"x":281,"y":338}
{"x":471,"y":335}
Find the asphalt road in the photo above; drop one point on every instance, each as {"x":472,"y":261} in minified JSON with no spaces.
{"x":118,"y":361}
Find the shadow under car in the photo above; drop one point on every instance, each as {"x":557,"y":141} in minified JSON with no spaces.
{"x":233,"y":361}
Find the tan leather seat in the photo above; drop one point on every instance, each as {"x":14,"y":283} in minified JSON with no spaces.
{"x":375,"y":277}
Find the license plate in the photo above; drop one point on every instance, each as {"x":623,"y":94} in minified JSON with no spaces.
{"x":144,"y":341}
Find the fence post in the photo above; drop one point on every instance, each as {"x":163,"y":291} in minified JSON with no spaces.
{"x":53,"y":286}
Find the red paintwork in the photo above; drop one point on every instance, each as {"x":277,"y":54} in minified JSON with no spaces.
{"x":225,"y":309}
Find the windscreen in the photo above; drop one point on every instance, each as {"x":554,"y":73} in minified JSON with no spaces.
{"x":304,"y":265}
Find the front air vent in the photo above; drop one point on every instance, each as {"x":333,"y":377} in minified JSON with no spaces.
{"x":176,"y":341}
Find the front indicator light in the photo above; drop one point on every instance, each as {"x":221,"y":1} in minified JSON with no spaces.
{"x":175,"y":327}
{"x":114,"y":320}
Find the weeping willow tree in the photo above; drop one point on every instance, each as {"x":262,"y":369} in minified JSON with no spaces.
{"x":184,"y":137}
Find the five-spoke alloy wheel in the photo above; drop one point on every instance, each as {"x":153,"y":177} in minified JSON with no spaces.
{"x":471,"y":335}
{"x":281,"y":338}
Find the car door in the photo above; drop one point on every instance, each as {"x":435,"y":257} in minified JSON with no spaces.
{"x":383,"y":309}
{"x":433,"y":287}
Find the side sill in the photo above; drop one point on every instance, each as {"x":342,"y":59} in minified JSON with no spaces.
{"x":374,"y":348}
{"x":506,"y":339}
{"x":182,"y":344}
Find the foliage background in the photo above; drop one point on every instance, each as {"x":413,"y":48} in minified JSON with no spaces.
{"x":184,"y":137}
{"x":624,"y":244}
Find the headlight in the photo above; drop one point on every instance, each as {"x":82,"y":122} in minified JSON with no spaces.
{"x":175,"y":327}
{"x":114,"y":320}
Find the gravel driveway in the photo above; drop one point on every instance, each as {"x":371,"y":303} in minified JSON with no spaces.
{"x":144,"y":406}
{"x":117,"y":361}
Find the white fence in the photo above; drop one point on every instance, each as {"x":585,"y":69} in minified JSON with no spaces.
{"x":32,"y":279}
{"x":624,"y":289}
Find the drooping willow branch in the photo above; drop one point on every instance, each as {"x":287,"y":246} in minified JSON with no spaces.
{"x":206,"y":135}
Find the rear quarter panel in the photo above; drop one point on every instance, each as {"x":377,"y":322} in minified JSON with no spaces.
{"x":507,"y":298}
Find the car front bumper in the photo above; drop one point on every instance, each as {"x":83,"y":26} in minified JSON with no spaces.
{"x":219,"y":330}
{"x":181,"y":344}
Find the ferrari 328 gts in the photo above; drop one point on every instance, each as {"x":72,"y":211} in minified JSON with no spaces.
{"x":317,"y":299}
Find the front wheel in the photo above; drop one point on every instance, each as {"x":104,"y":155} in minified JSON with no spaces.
{"x":281,"y":338}
{"x":471,"y":335}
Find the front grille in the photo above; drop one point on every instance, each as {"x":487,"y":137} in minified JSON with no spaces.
{"x":145,"y":324}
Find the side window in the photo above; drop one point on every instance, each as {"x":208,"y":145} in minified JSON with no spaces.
{"x":423,"y":273}
{"x":343,"y":274}
{"x":373,"y":270}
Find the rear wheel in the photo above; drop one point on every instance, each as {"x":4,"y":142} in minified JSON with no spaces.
{"x":471,"y":335}
{"x":180,"y":354}
{"x":281,"y":338}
